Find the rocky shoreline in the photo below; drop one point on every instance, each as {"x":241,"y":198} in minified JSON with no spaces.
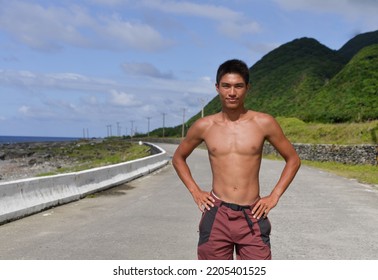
{"x":31,"y":159}
{"x":25,"y":160}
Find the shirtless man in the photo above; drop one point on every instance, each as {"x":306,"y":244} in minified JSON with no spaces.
{"x":234,"y":215}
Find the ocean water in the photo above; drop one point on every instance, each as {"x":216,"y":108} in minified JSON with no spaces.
{"x":23,"y":139}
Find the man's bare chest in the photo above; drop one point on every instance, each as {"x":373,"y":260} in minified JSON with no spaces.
{"x":243,"y":140}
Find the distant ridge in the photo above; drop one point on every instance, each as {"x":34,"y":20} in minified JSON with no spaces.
{"x":353,"y":46}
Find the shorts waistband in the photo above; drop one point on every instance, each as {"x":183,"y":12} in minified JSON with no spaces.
{"x":235,"y":207}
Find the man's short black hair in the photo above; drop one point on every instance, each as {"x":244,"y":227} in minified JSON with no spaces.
{"x":236,"y":66}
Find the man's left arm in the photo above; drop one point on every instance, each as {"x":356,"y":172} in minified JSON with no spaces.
{"x":276,"y":137}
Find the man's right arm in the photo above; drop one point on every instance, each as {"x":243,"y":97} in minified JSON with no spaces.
{"x":188,"y":144}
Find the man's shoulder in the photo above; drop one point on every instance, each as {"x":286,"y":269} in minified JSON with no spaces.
{"x":207,"y":120}
{"x":204,"y":124}
{"x":201,"y":124}
{"x":260,"y":117}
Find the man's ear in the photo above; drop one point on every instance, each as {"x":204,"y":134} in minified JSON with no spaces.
{"x":217,"y":87}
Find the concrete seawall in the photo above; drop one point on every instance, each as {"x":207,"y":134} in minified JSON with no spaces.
{"x":24,"y":197}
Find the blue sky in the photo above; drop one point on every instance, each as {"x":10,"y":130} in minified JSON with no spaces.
{"x":68,"y":66}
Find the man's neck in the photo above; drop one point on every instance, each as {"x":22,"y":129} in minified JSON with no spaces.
{"x":234,"y":115}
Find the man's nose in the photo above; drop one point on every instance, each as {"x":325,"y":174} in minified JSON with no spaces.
{"x":232,"y":91}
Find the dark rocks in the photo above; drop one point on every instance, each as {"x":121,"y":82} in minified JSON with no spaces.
{"x":32,"y":162}
{"x":24,"y":160}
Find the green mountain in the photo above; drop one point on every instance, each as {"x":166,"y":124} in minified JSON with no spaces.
{"x":309,"y":81}
{"x":284,"y":81}
{"x":352,"y":95}
{"x":353,"y":46}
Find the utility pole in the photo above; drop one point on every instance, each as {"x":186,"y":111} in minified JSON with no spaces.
{"x":148,"y":131}
{"x":118,"y":129}
{"x":163,"y":123}
{"x":132,"y":128}
{"x":109,"y":130}
{"x":183,"y":123}
{"x":202,"y":101}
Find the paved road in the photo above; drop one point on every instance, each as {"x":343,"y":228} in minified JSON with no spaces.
{"x":321,"y":216}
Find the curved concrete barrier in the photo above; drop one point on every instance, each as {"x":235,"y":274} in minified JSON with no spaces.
{"x":28,"y":196}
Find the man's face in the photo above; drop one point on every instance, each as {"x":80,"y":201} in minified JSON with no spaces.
{"x":232,"y":90}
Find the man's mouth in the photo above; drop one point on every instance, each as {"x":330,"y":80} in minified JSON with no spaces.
{"x":232,"y":100}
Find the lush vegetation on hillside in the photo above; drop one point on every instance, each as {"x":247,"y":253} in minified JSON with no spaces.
{"x":352,"y":95}
{"x":318,"y":133}
{"x":284,"y":82}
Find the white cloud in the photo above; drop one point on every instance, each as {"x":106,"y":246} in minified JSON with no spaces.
{"x":123,"y":99}
{"x":57,"y":110}
{"x":36,"y":113}
{"x":218,"y":13}
{"x":236,"y":29}
{"x":49,"y":28}
{"x":145,"y":69}
{"x":231,"y":23}
{"x":52,"y":27}
{"x":330,"y":5}
{"x":40,"y":27}
{"x":63,"y":81}
{"x":108,"y":2}
{"x":197,"y":87}
{"x":362,"y":10}
{"x":118,"y":34}
{"x":24,"y":110}
{"x":72,"y":97}
{"x":206,"y":79}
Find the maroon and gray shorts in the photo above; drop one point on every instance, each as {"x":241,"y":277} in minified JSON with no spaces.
{"x":229,"y":228}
